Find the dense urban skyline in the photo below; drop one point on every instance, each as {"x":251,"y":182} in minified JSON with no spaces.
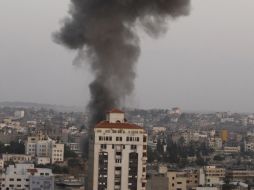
{"x":204,"y":62}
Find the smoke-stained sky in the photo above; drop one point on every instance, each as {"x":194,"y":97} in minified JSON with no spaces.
{"x":204,"y":62}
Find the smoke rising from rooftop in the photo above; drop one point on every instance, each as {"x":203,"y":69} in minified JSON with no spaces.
{"x":104,"y":32}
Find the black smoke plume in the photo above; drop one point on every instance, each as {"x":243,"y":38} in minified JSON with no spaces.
{"x":105,"y":33}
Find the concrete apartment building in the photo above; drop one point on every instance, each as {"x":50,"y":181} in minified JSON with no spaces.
{"x":118,"y":155}
{"x":42,"y":160}
{"x":19,"y":114}
{"x":248,"y":146}
{"x":75,"y":147}
{"x":25,"y":176}
{"x":211,"y":176}
{"x":177,"y":180}
{"x":44,"y":147}
{"x":205,"y":178}
{"x":183,"y":180}
{"x":241,"y":175}
{"x":17,"y":158}
{"x":231,"y":149}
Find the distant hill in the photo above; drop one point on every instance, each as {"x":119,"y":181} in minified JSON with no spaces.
{"x":60,"y":108}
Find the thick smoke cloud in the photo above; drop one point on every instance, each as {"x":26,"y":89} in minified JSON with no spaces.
{"x":104,"y":32}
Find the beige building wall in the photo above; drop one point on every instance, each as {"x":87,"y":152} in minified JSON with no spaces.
{"x":112,"y":143}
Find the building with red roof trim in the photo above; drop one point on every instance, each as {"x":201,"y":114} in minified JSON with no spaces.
{"x":117,"y":154}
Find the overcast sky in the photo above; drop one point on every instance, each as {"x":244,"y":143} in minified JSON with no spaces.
{"x":204,"y":62}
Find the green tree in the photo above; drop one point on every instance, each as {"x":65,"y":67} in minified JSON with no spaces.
{"x":13,"y":148}
{"x":59,"y":170}
{"x":74,"y":163}
{"x":218,"y":158}
{"x":17,"y":147}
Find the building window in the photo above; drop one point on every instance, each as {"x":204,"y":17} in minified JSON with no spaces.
{"x":127,"y":139}
{"x":133,"y":147}
{"x":119,"y":153}
{"x":103,"y":146}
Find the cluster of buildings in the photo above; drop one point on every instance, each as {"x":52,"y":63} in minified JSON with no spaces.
{"x":119,"y":150}
{"x":209,"y":177}
{"x":17,"y":171}
{"x":26,"y":177}
{"x":44,"y":149}
{"x":39,"y":149}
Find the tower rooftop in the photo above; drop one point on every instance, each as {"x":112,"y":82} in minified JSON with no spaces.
{"x":108,"y":125}
{"x":114,"y":110}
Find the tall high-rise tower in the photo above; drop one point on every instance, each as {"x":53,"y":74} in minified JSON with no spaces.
{"x":117,"y":155}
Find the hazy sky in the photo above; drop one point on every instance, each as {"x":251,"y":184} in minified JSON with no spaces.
{"x":204,"y":62}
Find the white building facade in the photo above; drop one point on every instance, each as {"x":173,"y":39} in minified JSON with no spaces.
{"x":43,"y":146}
{"x":25,"y":176}
{"x":17,"y":158}
{"x":117,"y":155}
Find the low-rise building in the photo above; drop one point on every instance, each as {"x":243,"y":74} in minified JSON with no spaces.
{"x":241,"y":175}
{"x":177,"y":180}
{"x":231,"y":149}
{"x":42,"y":146}
{"x":207,"y":188}
{"x":248,"y":146}
{"x":186,"y":179}
{"x":26,"y":176}
{"x":211,"y":175}
{"x":17,"y":158}
{"x":41,"y":183}
{"x":158,"y":129}
{"x":42,"y":160}
{"x":74,"y":147}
